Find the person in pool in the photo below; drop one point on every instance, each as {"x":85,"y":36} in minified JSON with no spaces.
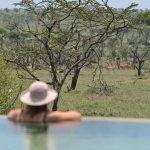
{"x":36,"y":99}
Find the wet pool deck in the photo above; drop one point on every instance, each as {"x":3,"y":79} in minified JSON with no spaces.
{"x":138,"y":120}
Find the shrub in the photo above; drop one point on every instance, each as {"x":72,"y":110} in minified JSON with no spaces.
{"x":9,"y":87}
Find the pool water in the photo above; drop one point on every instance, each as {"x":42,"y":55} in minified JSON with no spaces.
{"x":88,"y":135}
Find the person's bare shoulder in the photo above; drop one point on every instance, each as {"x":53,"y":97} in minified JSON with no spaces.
{"x":14,"y":114}
{"x":63,"y":116}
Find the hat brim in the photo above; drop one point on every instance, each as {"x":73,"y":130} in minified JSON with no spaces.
{"x":26,"y":98}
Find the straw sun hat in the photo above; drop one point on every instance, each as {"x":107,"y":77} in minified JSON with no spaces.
{"x":38,"y":94}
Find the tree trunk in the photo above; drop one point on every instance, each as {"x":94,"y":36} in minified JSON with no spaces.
{"x":139,"y":69}
{"x":55,"y":105}
{"x":1,"y":43}
{"x":75,"y":79}
{"x":139,"y":72}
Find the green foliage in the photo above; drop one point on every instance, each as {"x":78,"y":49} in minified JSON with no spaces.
{"x":2,"y":31}
{"x":9,"y":87}
{"x":143,"y":18}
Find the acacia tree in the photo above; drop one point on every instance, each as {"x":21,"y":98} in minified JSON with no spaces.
{"x":140,"y":46}
{"x":140,"y":51}
{"x":141,"y":58}
{"x":62,"y":31}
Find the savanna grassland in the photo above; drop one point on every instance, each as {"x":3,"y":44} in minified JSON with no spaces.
{"x":130,"y":96}
{"x":56,"y":44}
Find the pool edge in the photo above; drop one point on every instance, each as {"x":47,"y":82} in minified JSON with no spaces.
{"x":142,"y":120}
{"x":3,"y":116}
{"x":88,"y":118}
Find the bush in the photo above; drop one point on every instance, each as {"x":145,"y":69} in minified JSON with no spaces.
{"x":9,"y":87}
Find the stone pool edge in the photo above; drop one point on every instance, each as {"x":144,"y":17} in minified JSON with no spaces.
{"x":3,"y":116}
{"x":138,"y":120}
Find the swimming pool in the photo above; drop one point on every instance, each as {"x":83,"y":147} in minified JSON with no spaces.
{"x":88,"y":135}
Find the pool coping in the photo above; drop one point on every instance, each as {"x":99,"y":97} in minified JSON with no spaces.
{"x":120,"y":119}
{"x":3,"y":116}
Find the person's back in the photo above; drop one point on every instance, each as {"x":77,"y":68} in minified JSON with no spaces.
{"x":36,"y":99}
{"x":19,"y":115}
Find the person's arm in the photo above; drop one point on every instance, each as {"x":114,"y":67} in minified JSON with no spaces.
{"x":14,"y":115}
{"x":57,"y":116}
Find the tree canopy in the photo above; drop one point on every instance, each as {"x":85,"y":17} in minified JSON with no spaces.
{"x":64,"y":35}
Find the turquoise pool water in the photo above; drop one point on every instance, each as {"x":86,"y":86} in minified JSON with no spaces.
{"x":88,"y":135}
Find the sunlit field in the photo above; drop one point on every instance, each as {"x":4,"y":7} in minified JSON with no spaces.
{"x":130,"y":96}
